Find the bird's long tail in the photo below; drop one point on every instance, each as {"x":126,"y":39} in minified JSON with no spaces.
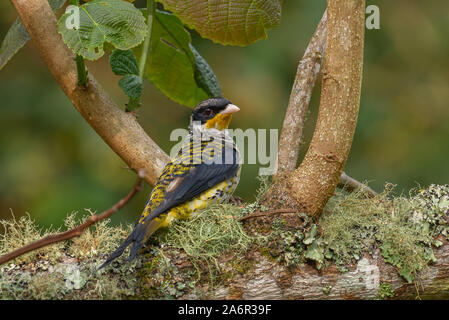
{"x":137,"y":238}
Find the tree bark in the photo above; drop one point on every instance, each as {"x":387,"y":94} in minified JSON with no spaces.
{"x":269,"y":280}
{"x":313,"y":183}
{"x":308,"y":69}
{"x":118,"y":129}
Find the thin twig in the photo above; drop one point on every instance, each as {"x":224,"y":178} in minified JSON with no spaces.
{"x":350,"y":184}
{"x":77,"y":231}
{"x":266,"y":213}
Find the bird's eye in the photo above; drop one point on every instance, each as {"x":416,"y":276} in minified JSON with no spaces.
{"x":208,"y":112}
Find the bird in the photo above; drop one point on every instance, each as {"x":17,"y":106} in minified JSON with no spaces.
{"x":205,"y":171}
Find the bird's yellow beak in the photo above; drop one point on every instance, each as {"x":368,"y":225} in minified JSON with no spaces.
{"x":223,"y":118}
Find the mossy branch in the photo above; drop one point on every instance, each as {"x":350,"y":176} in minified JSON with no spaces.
{"x":377,"y":248}
{"x":77,"y":231}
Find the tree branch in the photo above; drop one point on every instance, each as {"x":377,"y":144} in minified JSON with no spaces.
{"x":308,"y":69}
{"x":75,"y":232}
{"x":118,"y":129}
{"x":313,"y":183}
{"x":350,"y":184}
{"x":266,"y":279}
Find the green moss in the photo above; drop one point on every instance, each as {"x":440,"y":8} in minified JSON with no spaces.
{"x":284,"y":244}
{"x":403,"y":227}
{"x":100,"y":239}
{"x":18,"y":233}
{"x":159,"y":278}
{"x":385,"y":291}
{"x":66,"y":270}
{"x":66,"y":281}
{"x":327,"y":289}
{"x":241,"y":264}
{"x":210,"y":234}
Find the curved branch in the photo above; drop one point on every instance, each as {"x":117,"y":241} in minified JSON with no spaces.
{"x":75,"y":232}
{"x":118,"y":129}
{"x":308,"y":69}
{"x":313,"y":183}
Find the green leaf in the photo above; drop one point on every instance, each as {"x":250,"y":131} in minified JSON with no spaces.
{"x":14,"y":40}
{"x":131,"y":85}
{"x":407,"y":274}
{"x":310,"y":235}
{"x":123,"y":62}
{"x":329,"y":254}
{"x":175,"y":67}
{"x":114,"y":21}
{"x":315,"y":252}
{"x":228,"y":21}
{"x":17,"y":36}
{"x":204,"y":76}
{"x":438,"y":243}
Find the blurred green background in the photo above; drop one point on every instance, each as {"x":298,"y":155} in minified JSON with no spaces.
{"x":53,"y":163}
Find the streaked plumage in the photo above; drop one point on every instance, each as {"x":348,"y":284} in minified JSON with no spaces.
{"x":205,"y":171}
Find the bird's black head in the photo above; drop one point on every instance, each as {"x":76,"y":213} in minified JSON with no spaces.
{"x":214,"y":113}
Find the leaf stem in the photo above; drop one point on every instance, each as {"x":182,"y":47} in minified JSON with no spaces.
{"x":146,"y":48}
{"x":82,"y":72}
{"x":132,"y":104}
{"x":151,"y":8}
